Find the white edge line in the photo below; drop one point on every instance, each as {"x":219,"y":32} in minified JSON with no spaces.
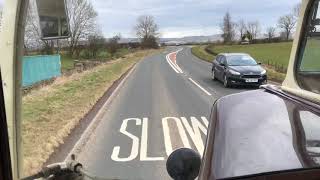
{"x":97,"y":119}
{"x":177,"y":66}
{"x":171,"y":64}
{"x":200,"y":87}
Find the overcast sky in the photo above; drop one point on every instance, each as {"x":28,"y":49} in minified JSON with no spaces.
{"x":186,"y":17}
{"x":181,"y":18}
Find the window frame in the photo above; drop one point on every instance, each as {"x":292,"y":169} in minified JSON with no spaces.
{"x":218,"y":59}
{"x":224,"y":60}
{"x":302,"y":46}
{"x":5,"y":157}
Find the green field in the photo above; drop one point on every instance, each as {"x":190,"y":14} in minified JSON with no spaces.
{"x":311,"y":54}
{"x":272,"y":54}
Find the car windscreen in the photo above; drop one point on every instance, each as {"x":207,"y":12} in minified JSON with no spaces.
{"x":241,"y":60}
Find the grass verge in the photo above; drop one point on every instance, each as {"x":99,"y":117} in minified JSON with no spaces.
{"x":49,"y":114}
{"x":66,"y":62}
{"x":200,"y":52}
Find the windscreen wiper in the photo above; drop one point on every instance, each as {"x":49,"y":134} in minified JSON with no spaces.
{"x":69,"y":170}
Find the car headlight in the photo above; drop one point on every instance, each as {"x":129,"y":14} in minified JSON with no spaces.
{"x":234,"y":72}
{"x":263,"y":72}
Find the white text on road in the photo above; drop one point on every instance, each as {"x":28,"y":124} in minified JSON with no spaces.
{"x":193,"y":129}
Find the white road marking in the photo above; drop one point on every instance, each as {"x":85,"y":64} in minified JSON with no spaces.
{"x":205,"y":121}
{"x":195,"y":128}
{"x":135,"y":142}
{"x":166,"y":133}
{"x":205,"y":91}
{"x":144,"y":144}
{"x":173,"y":65}
{"x":194,"y":132}
{"x":176,"y":64}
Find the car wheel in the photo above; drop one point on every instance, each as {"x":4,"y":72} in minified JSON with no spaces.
{"x":213,"y":75}
{"x":226,"y":82}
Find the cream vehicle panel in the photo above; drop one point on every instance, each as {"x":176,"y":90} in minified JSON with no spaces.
{"x":290,"y":84}
{"x":11,"y":50}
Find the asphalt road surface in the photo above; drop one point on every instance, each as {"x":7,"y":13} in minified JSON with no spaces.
{"x":163,"y":105}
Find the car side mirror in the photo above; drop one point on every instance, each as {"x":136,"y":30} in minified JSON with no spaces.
{"x":259,"y":63}
{"x":184,"y":164}
{"x":221,"y":64}
{"x":53,"y":19}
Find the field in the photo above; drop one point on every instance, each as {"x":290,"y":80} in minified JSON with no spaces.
{"x":50,"y":113}
{"x":272,"y":53}
{"x":311,"y":53}
{"x":274,"y":56}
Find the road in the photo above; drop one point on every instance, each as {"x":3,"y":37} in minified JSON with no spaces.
{"x":164,"y":104}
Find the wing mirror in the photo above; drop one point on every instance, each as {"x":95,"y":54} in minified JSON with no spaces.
{"x":53,"y":19}
{"x":184,"y":164}
{"x":259,"y":63}
{"x":222,"y":64}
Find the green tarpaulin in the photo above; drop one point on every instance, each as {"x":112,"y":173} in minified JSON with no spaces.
{"x":38,"y":68}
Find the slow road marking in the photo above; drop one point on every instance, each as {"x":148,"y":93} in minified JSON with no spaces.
{"x":205,"y":91}
{"x":194,"y":128}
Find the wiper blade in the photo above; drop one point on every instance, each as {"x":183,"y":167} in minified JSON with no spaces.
{"x":70,"y":169}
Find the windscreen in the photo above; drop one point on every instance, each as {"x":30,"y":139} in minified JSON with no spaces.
{"x":241,"y":60}
{"x":135,"y":80}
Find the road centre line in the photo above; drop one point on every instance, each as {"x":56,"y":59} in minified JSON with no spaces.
{"x":205,"y":91}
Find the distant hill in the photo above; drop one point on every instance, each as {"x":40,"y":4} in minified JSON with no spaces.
{"x":187,"y":39}
{"x":194,"y":39}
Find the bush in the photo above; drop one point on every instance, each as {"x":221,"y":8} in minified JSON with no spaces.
{"x":149,"y":42}
{"x":85,"y":54}
{"x":104,"y":55}
{"x":113,"y":44}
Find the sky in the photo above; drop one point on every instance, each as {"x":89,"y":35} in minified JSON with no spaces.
{"x":179,"y":18}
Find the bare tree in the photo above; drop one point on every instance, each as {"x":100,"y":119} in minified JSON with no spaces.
{"x":242,"y":28}
{"x":96,"y":42}
{"x":82,"y":17}
{"x":113,"y":44}
{"x":296,"y":11}
{"x":228,"y":28}
{"x":271,"y":33}
{"x":254,"y":29}
{"x":147,"y":30}
{"x":32,"y":38}
{"x":287,"y":23}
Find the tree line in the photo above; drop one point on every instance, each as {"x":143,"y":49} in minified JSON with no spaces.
{"x":251,"y":30}
{"x":85,"y":33}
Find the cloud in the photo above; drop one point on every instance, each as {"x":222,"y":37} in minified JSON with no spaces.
{"x":178,"y":32}
{"x":181,"y":17}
